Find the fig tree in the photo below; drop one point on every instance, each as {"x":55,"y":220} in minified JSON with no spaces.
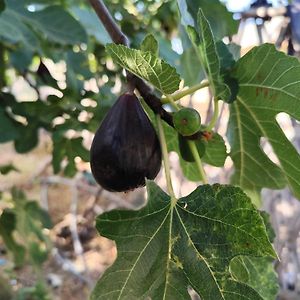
{"x":125,"y":149}
{"x":187,"y":121}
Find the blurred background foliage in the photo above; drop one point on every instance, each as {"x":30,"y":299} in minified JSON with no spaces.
{"x":57,"y":80}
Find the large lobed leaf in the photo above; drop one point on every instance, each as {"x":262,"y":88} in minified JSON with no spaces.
{"x":269,"y":84}
{"x":147,"y":66}
{"x":167,"y":246}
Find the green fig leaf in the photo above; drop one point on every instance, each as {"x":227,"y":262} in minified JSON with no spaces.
{"x":146,"y":66}
{"x":13,"y":30}
{"x":28,"y":138}
{"x":24,"y":219}
{"x":190,"y":170}
{"x":215,"y":150}
{"x":257,"y":272}
{"x":150,"y":44}
{"x":206,"y":50}
{"x":7,"y":168}
{"x":228,"y":55}
{"x":8,"y":225}
{"x":190,"y":67}
{"x":269,"y":84}
{"x":53,"y":22}
{"x":9,"y":127}
{"x":69,"y":149}
{"x":167,"y":246}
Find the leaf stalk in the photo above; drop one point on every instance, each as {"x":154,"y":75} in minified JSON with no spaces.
{"x":215,"y":116}
{"x":166,"y":162}
{"x":198,"y":161}
{"x":192,"y":146}
{"x":177,"y":96}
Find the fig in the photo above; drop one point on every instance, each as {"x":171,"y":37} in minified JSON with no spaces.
{"x":187,"y":121}
{"x":125,"y":149}
{"x":185,"y":151}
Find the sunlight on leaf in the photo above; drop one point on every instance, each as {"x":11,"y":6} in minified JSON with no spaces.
{"x":146,"y":66}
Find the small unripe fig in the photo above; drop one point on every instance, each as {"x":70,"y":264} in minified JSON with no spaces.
{"x":187,"y":121}
{"x":185,"y":150}
{"x":125,"y":149}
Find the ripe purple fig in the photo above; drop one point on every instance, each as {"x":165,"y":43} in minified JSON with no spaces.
{"x":125,"y":149}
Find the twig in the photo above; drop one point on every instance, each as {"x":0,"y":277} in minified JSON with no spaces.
{"x":75,"y":185}
{"x":209,"y":110}
{"x":114,"y":198}
{"x":44,"y":196}
{"x":119,"y":37}
{"x":166,"y":162}
{"x":68,"y":266}
{"x":78,"y":248}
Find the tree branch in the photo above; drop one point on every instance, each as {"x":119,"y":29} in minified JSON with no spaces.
{"x":110,"y":25}
{"x":119,"y":37}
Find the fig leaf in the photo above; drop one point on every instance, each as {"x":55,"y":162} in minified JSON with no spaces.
{"x":269,"y":84}
{"x":147,"y":66}
{"x":165,"y":247}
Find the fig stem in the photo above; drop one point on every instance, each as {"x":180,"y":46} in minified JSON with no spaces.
{"x":198,"y":161}
{"x":192,"y":146}
{"x":215,"y":116}
{"x":177,"y":96}
{"x":165,"y":155}
{"x":172,"y":102}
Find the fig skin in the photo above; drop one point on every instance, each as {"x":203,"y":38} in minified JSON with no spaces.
{"x":187,"y":121}
{"x":125,"y":149}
